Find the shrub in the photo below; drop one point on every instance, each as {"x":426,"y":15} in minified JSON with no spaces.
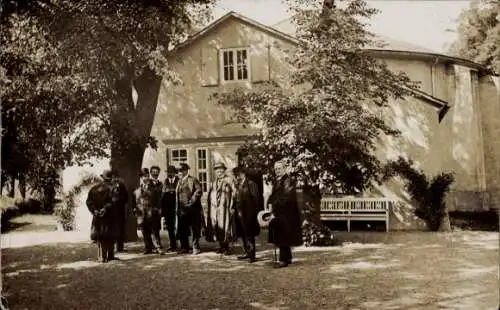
{"x":65,"y":211}
{"x":317,"y":235}
{"x":429,"y":194}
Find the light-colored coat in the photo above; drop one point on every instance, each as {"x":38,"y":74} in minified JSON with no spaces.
{"x":220,"y":207}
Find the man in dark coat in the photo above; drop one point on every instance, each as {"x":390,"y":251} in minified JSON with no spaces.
{"x":285,"y":227}
{"x":247,"y":206}
{"x":168,"y":205}
{"x":121,"y":204}
{"x":101,"y":202}
{"x":148,"y":213}
{"x":189,"y":210}
{"x":157,"y":188}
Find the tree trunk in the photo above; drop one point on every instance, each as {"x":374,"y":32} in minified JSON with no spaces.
{"x":133,"y":124}
{"x":128,"y":168}
{"x":12,"y":187}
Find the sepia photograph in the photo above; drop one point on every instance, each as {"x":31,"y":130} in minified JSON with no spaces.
{"x":250,"y":154}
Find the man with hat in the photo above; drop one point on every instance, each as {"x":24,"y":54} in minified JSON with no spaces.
{"x":247,"y":202}
{"x":168,"y":205}
{"x":220,"y":209}
{"x":120,"y":190}
{"x":148,"y":213}
{"x":189,"y":210}
{"x":101,"y":202}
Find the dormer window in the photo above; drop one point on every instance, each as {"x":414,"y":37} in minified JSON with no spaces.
{"x":234,"y":64}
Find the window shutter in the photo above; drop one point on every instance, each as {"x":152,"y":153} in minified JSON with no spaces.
{"x":167,"y":156}
{"x":260,"y":70}
{"x":209,"y":166}
{"x":209,"y":66}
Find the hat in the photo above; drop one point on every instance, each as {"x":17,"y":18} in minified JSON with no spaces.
{"x":219,"y":165}
{"x":171,"y":169}
{"x":264,"y":218}
{"x":184,"y":167}
{"x":144,"y":172}
{"x":107,"y":175}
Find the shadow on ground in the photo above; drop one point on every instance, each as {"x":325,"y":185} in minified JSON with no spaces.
{"x":404,"y":271}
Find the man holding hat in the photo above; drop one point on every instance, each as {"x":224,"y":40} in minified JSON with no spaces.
{"x":220,"y":209}
{"x":101,"y":202}
{"x":168,"y":205}
{"x":189,"y":210}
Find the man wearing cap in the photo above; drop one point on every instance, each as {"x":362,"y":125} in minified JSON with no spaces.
{"x":101,"y":202}
{"x":148,"y":213}
{"x":247,"y":202}
{"x":220,"y":209}
{"x":189,"y":210}
{"x":168,"y":205}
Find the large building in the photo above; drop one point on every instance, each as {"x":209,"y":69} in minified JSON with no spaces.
{"x":235,"y":50}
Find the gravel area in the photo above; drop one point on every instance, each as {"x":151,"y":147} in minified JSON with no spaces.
{"x":417,"y":270}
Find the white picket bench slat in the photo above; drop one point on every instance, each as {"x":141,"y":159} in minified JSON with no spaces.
{"x":356,"y":209}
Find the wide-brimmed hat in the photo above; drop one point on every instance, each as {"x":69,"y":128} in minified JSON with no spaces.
{"x":219,"y":165}
{"x":107,"y":175}
{"x":171,"y":169}
{"x":264,"y":218}
{"x":184,"y":167}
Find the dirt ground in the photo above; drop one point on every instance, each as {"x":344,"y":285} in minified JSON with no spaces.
{"x":418,"y":270}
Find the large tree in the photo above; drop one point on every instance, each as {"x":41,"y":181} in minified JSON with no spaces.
{"x":328,"y":133}
{"x":479,"y":34}
{"x":76,"y":64}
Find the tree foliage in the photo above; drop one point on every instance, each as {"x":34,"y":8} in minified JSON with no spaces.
{"x":328,"y":133}
{"x":68,"y":69}
{"x":430,"y":194}
{"x":479,"y":34}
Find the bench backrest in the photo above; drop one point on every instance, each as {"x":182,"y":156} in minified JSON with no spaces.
{"x":330,"y":204}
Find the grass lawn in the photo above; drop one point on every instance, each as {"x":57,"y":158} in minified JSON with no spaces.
{"x":416,"y":270}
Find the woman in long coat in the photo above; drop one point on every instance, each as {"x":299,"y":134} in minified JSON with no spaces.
{"x":219,"y":215}
{"x":247,"y":202}
{"x":285,"y":227}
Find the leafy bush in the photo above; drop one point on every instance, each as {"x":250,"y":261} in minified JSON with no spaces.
{"x":9,"y":210}
{"x":65,"y":211}
{"x":429,"y":194}
{"x":317,"y":235}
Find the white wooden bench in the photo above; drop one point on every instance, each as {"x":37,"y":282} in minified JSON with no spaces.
{"x":356,"y":209}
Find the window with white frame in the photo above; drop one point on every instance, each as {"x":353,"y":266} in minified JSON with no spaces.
{"x":235,"y":64}
{"x":178,"y":156}
{"x":202,"y":168}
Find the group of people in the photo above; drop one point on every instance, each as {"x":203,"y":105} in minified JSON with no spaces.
{"x":233,"y":205}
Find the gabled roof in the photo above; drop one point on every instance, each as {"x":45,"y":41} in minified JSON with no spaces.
{"x":242,"y":18}
{"x":286,"y":30}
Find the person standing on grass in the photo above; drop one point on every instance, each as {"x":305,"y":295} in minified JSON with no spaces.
{"x":148,"y":213}
{"x":220,"y":209}
{"x":157,"y":189}
{"x":189,"y":210}
{"x":285,"y":227}
{"x":101,"y":202}
{"x":168,"y":205}
{"x":121,"y":204}
{"x":247,"y":206}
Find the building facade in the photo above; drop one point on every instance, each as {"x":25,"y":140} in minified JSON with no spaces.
{"x":237,"y":51}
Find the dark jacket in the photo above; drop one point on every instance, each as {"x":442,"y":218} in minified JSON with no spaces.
{"x":247,"y":204}
{"x":102,"y":203}
{"x":168,"y":198}
{"x":188,"y":195}
{"x":285,"y":228}
{"x":148,"y":201}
